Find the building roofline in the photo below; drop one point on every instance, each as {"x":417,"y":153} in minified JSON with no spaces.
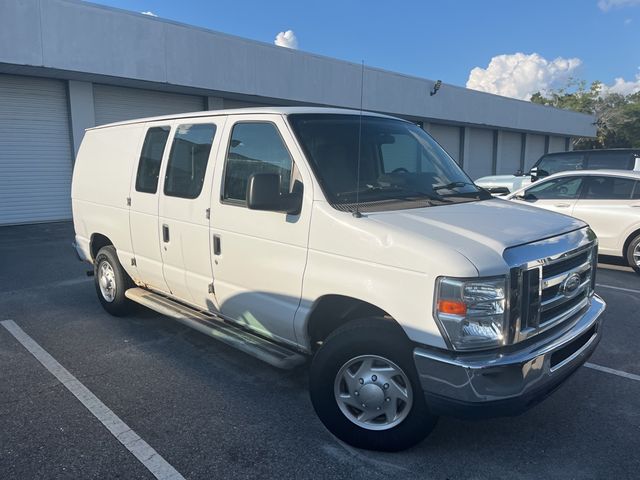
{"x":246,"y":111}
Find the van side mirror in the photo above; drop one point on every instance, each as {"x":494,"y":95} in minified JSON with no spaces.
{"x":263,"y":193}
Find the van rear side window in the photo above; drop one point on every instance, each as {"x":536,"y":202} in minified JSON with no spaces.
{"x":188,"y":160}
{"x":150,"y":159}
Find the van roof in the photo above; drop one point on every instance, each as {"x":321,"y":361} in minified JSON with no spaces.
{"x":245,"y":111}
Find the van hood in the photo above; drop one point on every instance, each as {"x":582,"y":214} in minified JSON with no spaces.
{"x":480,"y":231}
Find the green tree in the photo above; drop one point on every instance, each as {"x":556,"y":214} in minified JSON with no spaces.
{"x":617,"y":117}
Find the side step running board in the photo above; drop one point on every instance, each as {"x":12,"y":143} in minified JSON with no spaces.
{"x":259,"y":347}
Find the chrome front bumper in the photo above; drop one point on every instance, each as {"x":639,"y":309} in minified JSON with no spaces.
{"x":512,"y":380}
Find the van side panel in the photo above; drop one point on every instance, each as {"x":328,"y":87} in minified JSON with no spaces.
{"x":100,"y":188}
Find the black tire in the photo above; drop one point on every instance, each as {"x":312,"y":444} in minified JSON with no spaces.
{"x":370,"y":336}
{"x":119,"y":305}
{"x":633,"y":244}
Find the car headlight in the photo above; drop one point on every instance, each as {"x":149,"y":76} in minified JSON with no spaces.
{"x":472,"y":312}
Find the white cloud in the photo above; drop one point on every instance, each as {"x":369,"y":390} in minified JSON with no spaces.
{"x":627,"y":21}
{"x":606,"y":5}
{"x":286,"y":39}
{"x":622,"y":86}
{"x":150,"y":13}
{"x":519,"y":75}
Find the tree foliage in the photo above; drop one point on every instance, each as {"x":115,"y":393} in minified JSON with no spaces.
{"x":617,"y":116}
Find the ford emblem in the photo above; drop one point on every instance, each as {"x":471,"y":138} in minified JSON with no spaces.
{"x":570,"y":285}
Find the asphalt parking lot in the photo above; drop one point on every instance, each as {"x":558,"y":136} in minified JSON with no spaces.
{"x":212,"y":412}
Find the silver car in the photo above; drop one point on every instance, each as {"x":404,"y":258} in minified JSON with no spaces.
{"x":608,"y":200}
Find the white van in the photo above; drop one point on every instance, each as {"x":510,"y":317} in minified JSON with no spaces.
{"x":350,"y":239}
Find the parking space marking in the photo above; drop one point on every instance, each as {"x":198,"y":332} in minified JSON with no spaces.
{"x":612,"y":371}
{"x":630,"y":290}
{"x":63,"y":283}
{"x":157,"y":465}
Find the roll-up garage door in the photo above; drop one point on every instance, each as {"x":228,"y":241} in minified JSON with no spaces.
{"x":115,"y":104}
{"x":534,"y":150}
{"x":556,"y":144}
{"x":510,"y":150}
{"x":479,"y":161}
{"x":448,"y":137}
{"x":35,"y":150}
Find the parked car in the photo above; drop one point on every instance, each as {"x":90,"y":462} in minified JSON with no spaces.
{"x":616,"y":158}
{"x":608,"y":200}
{"x":350,"y":239}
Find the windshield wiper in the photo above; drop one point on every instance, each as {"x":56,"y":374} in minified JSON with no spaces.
{"x":452,"y":185}
{"x":480,"y":192}
{"x":370,"y":188}
{"x":399,"y":194}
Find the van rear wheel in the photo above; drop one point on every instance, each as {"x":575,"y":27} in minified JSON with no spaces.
{"x":365,"y":389}
{"x":111,"y":282}
{"x":633,"y":254}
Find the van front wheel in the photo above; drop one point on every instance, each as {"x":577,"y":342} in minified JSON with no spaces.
{"x":111,"y":282}
{"x":365,"y":389}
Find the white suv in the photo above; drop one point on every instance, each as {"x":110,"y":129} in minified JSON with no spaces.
{"x":351,"y":239}
{"x":608,"y":200}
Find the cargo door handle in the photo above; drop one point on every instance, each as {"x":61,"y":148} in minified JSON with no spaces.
{"x":165,"y":233}
{"x":216,"y":245}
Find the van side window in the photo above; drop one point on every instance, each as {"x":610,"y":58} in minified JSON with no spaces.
{"x":255,"y":147}
{"x":188,"y":160}
{"x":150,"y":159}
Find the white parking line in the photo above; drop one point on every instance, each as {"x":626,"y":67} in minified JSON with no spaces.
{"x":62,"y":283}
{"x":617,"y":288}
{"x":620,"y":373}
{"x":157,"y":465}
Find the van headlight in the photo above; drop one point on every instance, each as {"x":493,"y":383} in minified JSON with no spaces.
{"x":472,"y":312}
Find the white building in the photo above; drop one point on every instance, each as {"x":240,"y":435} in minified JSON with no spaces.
{"x":67,"y":65}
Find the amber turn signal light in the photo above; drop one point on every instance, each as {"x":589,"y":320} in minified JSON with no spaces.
{"x":452,"y":307}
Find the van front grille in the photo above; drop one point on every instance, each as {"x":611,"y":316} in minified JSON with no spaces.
{"x":555,"y":290}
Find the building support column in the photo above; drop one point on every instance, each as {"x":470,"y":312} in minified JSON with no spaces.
{"x":81,"y":110}
{"x":523,"y":150}
{"x":497,"y":151}
{"x":464,"y":146}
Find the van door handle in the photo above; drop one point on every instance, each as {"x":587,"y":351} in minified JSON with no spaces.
{"x":165,"y":233}
{"x":216,"y":245}
{"x":562,"y":205}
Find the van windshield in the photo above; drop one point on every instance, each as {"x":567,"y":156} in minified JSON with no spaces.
{"x":399,"y":163}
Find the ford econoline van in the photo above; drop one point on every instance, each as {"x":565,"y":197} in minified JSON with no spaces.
{"x":350,"y":240}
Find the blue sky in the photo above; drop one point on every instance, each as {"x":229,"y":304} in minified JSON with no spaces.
{"x":595,"y":39}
